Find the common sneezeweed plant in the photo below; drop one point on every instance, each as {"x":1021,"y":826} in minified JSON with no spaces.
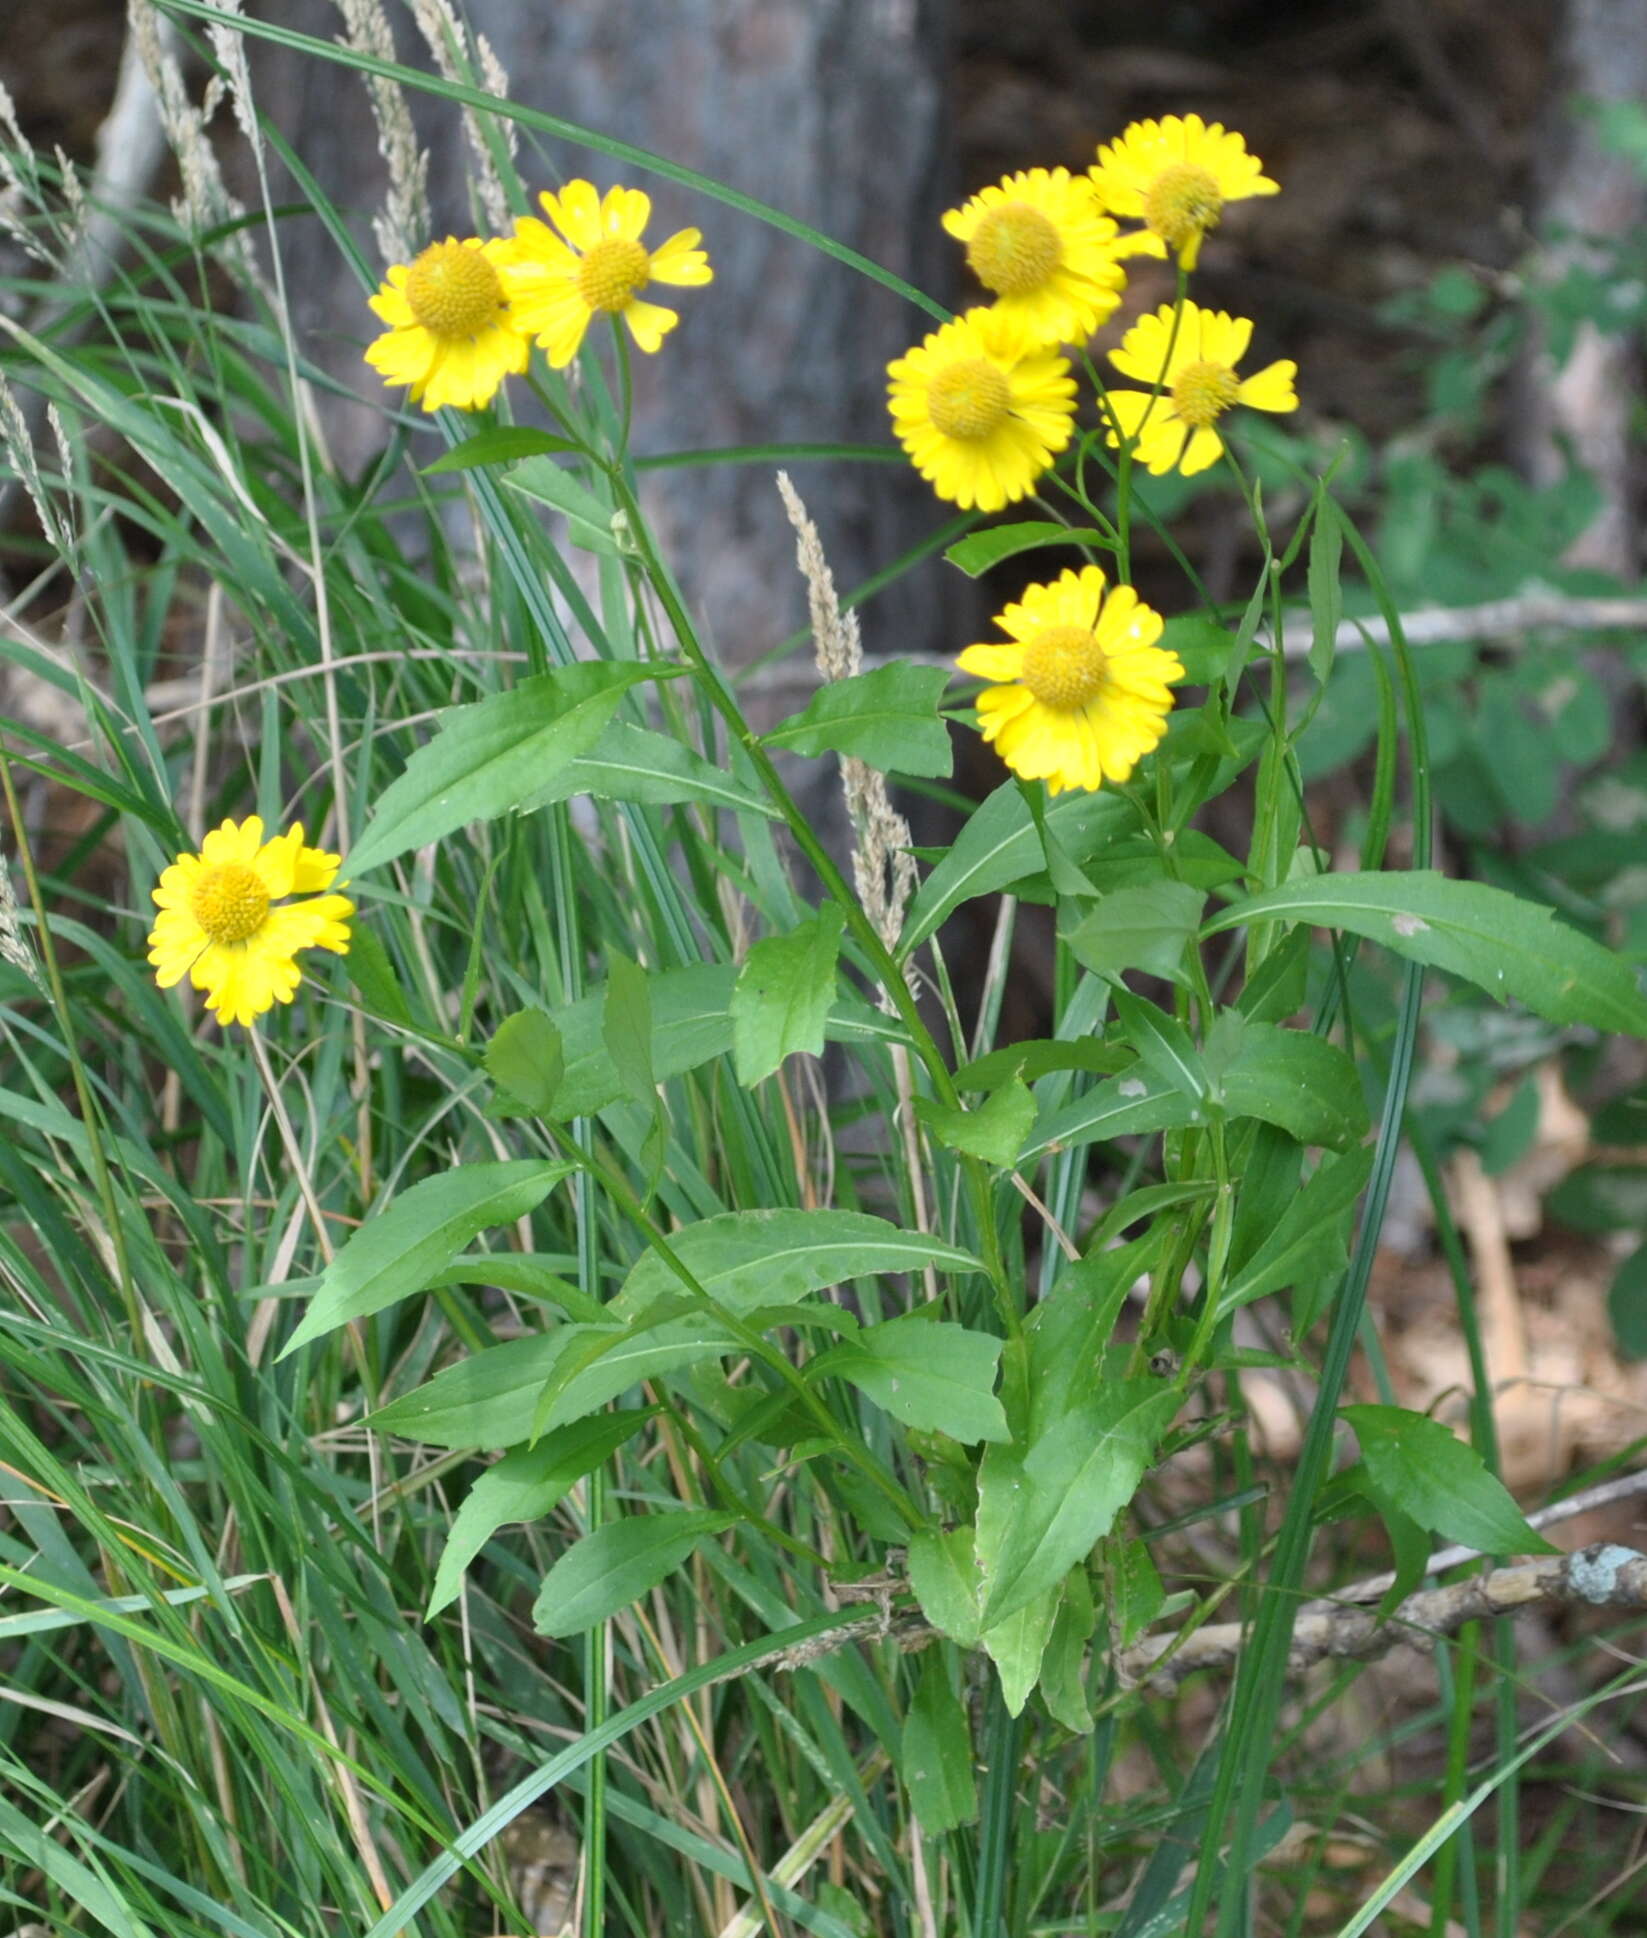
{"x":950,"y":1365}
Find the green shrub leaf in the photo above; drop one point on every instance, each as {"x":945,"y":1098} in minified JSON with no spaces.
{"x":943,"y":1573}
{"x":747,"y":1259}
{"x":526,"y":1485}
{"x":1440,"y":1482}
{"x":887,"y":717}
{"x":1309,"y":1241}
{"x":1298,"y":1081}
{"x":421,"y":1230}
{"x":527,"y":1059}
{"x":1042,"y":1511}
{"x":935,"y":1753}
{"x":1147,"y":927}
{"x":784,"y":994}
{"x":994,"y":1130}
{"x":978,"y":551}
{"x":1510,"y":948}
{"x":495,"y":756}
{"x":927,"y":1373}
{"x":616,"y":1565}
{"x":1000,"y":845}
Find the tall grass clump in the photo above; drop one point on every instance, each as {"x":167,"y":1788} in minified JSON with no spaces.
{"x":559,"y":1370}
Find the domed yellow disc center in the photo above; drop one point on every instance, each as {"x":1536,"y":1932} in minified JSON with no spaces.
{"x":1183,"y":202}
{"x":968,"y":398}
{"x":453,"y":291}
{"x":229,"y":902}
{"x":611,"y":273}
{"x":1064,"y":667}
{"x":1202,"y":392}
{"x":1014,"y":249}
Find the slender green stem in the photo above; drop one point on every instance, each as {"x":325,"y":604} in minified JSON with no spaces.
{"x":868,"y":937}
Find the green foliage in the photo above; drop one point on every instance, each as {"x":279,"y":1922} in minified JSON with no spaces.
{"x":887,"y":718}
{"x":944,"y":1336}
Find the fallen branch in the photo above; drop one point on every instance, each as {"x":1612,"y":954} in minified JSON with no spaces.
{"x":1603,"y":1576}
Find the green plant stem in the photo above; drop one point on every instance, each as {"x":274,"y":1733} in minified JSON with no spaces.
{"x":864,"y":931}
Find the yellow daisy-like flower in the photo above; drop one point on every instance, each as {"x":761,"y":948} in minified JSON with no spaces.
{"x":1176,"y":174}
{"x":981,"y":409}
{"x":1083,"y":689}
{"x":1044,"y":249}
{"x":596,"y":265}
{"x":1199,"y":383}
{"x":451,"y":335}
{"x":219,"y":923}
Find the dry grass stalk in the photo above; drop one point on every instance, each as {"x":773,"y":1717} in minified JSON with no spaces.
{"x":459,"y":57}
{"x":205,"y":201}
{"x":883,"y":869}
{"x":401,"y":226}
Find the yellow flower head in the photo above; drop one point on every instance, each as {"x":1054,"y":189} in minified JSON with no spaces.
{"x":1176,"y":174}
{"x":226,"y":924}
{"x":1043,"y":248}
{"x":1199,"y":382}
{"x":1084,"y":689}
{"x":451,"y":335}
{"x":596,"y":265}
{"x":981,"y":409}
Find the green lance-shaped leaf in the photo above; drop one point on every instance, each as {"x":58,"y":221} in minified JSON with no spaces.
{"x":423,"y":1229}
{"x":994,"y":1130}
{"x":626,"y":1026}
{"x":1309,"y":1240}
{"x":784,"y":994}
{"x":935,"y":1754}
{"x":591,"y":523}
{"x":1325,"y":587}
{"x":691,"y":1025}
{"x":487,"y":1400}
{"x":526,"y":1485}
{"x":1063,"y":1665}
{"x":1041,"y":1512}
{"x":527,"y":1059}
{"x":616,"y":1565}
{"x":1298,"y":1081}
{"x":1000,"y":845}
{"x":1203,"y":646}
{"x":1148,"y":927}
{"x":495,"y":756}
{"x":1017,"y":1644}
{"x":1127,"y":1105}
{"x":374,"y":978}
{"x":888,"y":718}
{"x":1440,"y":1482}
{"x":943,"y":1573}
{"x":507,"y":444}
{"x":600,"y":1362}
{"x":1511,"y":948}
{"x":630,"y":763}
{"x":927,"y":1373}
{"x":979,"y":551}
{"x":1165,"y":1050}
{"x":748,"y":1259}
